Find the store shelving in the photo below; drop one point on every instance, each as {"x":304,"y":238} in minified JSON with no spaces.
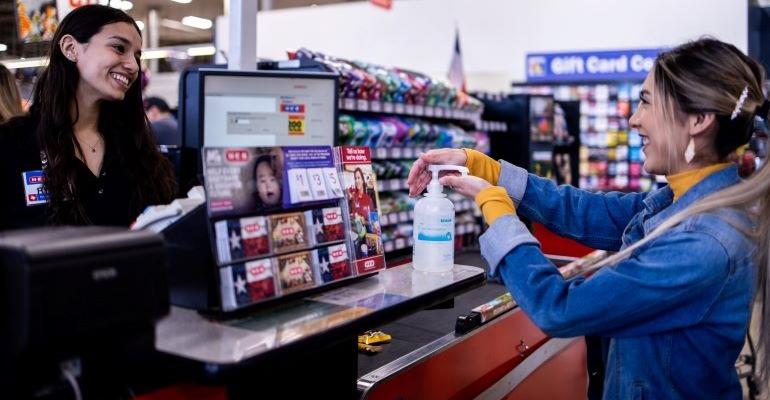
{"x":417,"y":110}
{"x":401,"y":114}
{"x":610,"y":154}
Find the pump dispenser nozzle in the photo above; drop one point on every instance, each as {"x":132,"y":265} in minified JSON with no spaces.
{"x":434,"y":187}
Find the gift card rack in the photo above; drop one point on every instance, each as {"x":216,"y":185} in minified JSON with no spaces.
{"x":287,"y":221}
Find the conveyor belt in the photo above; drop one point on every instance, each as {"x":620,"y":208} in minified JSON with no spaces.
{"x":423,"y":327}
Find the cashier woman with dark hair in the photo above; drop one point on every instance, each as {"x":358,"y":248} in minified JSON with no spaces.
{"x":84,"y":154}
{"x":676,"y":300}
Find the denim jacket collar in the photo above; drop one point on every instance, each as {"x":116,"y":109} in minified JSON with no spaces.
{"x":661,"y":203}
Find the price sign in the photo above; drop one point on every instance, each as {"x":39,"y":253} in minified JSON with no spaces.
{"x":299,"y":187}
{"x":317,"y":184}
{"x":332,"y":182}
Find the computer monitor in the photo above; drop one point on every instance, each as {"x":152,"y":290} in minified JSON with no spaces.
{"x":222,"y":108}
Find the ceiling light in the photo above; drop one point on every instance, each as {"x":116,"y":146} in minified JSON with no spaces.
{"x":201,"y":51}
{"x":140,"y":24}
{"x":176,"y":25}
{"x":197,"y":22}
{"x":26,"y":63}
{"x":182,"y":1}
{"x":3,"y":47}
{"x":126,"y":5}
{"x":155,"y":54}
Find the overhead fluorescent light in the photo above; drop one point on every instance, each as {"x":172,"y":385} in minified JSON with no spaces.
{"x":197,"y":22}
{"x":119,"y":4}
{"x":140,"y":24}
{"x":201,"y":51}
{"x":173,"y":24}
{"x":26,"y":62}
{"x":155,"y":54}
{"x":182,"y":1}
{"x":3,"y":47}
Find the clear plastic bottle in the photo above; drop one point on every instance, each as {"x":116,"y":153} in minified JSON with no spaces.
{"x":434,"y":226}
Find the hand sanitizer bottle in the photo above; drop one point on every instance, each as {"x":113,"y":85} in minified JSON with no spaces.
{"x":434,"y":226}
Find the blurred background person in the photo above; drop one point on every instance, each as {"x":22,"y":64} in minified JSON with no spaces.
{"x":164,"y":125}
{"x":10,"y":99}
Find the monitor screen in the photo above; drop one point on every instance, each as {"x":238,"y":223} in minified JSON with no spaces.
{"x":268,"y":110}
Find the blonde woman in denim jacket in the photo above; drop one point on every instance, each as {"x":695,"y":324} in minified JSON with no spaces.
{"x":676,"y":300}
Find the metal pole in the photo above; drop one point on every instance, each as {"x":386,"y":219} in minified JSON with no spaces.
{"x":242,"y":53}
{"x":153,"y":35}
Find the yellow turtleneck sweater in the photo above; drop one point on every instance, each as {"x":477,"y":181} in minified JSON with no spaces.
{"x":493,"y":201}
{"x":682,"y":182}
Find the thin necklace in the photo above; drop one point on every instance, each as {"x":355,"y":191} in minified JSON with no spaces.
{"x":93,"y":147}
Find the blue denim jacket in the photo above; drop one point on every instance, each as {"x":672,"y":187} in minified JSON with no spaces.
{"x":675,"y":312}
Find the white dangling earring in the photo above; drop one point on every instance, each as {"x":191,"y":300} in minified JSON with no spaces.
{"x":689,"y":153}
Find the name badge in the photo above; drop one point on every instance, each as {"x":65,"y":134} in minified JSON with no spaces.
{"x":34,"y":192}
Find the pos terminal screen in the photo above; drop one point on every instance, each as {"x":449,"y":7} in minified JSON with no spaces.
{"x":268,"y":111}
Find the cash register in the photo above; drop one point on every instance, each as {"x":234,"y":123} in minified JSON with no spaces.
{"x":76,"y":304}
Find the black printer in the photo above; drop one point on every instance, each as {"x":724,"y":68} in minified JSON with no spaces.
{"x":88,"y":294}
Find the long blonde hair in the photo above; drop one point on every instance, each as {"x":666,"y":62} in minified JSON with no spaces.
{"x":709,"y":76}
{"x":10,"y":100}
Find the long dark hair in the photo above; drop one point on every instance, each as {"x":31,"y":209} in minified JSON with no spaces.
{"x":123,"y":125}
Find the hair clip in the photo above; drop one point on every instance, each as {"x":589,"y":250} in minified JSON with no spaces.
{"x":739,"y":104}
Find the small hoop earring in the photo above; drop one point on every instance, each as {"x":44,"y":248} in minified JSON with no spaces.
{"x":689,"y":153}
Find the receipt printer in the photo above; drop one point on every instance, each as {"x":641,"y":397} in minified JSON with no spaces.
{"x":76,"y":286}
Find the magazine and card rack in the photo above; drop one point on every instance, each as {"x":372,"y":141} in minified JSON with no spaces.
{"x":283,"y":216}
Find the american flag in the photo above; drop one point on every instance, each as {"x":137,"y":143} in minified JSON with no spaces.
{"x":456,"y":73}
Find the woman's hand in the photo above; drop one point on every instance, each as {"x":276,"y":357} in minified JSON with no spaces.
{"x":420,"y":176}
{"x":468,"y":185}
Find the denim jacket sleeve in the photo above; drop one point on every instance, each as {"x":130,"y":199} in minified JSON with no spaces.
{"x":674,"y":280}
{"x":594,"y":219}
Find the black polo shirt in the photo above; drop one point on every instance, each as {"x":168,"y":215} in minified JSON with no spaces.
{"x":105,"y":198}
